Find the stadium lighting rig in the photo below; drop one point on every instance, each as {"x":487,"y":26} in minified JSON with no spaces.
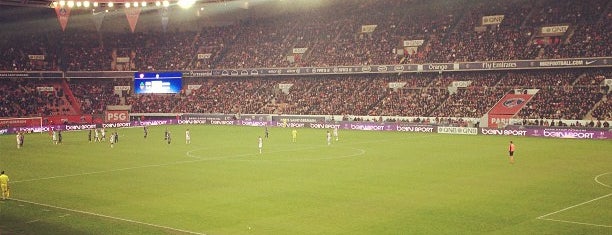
{"x":128,"y":3}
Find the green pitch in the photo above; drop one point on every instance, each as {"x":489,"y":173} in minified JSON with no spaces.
{"x":366,"y":183}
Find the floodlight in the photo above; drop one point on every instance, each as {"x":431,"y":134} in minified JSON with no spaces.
{"x":185,"y":3}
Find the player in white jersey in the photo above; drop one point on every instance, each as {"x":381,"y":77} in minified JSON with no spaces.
{"x":336,"y":133}
{"x":55,"y":137}
{"x":260,"y":140}
{"x":112,"y":140}
{"x":18,"y":137}
{"x":187,"y":137}
{"x":97,"y":135}
{"x":328,"y":138}
{"x":103,"y":134}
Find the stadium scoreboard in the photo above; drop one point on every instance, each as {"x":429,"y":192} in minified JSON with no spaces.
{"x":157,"y":83}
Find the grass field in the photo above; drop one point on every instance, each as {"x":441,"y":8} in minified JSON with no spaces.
{"x":366,"y":183}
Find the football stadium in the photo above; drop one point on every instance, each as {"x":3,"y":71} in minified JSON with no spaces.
{"x":306,"y":117}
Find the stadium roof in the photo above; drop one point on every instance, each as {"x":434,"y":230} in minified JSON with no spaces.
{"x":26,"y":3}
{"x":47,"y":3}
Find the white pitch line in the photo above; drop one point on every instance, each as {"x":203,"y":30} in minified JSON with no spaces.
{"x":197,"y":159}
{"x":597,"y":179}
{"x":32,"y":221}
{"x":189,"y":153}
{"x":106,"y":171}
{"x":581,"y":223}
{"x":577,"y":205}
{"x":109,"y":217}
{"x":361,"y":152}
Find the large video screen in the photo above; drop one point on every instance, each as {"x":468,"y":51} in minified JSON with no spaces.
{"x":158,"y":83}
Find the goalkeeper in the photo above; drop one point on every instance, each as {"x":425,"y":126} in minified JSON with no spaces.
{"x":4,"y":179}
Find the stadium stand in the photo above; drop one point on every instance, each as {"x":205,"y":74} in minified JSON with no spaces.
{"x":95,"y":94}
{"x":333,"y":36}
{"x":27,"y":97}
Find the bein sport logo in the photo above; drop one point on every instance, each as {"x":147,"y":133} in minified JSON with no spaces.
{"x":566,"y":134}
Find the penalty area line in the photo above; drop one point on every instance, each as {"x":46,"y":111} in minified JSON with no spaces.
{"x":574,"y":222}
{"x":543,"y":217}
{"x":106,"y":171}
{"x":108,"y":217}
{"x":577,"y":205}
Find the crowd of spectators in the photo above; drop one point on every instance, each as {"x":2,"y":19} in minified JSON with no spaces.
{"x":211,"y":43}
{"x":411,"y":102}
{"x":604,"y":110}
{"x":563,"y":12}
{"x":470,"y":102}
{"x":540,"y":78}
{"x":226,"y":96}
{"x":22,"y":98}
{"x":344,"y":95}
{"x":293,"y":102}
{"x":332,"y":36}
{"x":95,"y":94}
{"x":565,"y":102}
{"x":159,"y":103}
{"x":259,"y":44}
{"x":561,"y":94}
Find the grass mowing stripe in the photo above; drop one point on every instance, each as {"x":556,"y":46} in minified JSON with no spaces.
{"x":574,"y":222}
{"x":577,"y":205}
{"x":199,"y":159}
{"x":404,"y":183}
{"x":107,"y":216}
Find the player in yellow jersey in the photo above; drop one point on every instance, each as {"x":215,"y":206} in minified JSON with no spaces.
{"x":294,"y":135}
{"x":4,"y":179}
